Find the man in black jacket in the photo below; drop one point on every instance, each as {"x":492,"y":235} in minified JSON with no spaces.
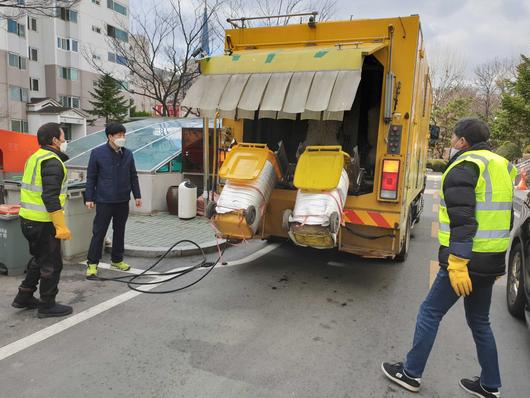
{"x":111,"y":176}
{"x":42,"y":197}
{"x":475,"y":221}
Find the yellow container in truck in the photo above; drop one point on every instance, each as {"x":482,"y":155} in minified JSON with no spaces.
{"x":251,"y":172}
{"x":322,"y":182}
{"x":359,"y":85}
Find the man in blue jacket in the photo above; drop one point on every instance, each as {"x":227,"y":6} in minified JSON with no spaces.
{"x":111,"y":176}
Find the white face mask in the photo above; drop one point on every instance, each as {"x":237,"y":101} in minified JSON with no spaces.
{"x":119,"y":142}
{"x":453,"y":152}
{"x":63,"y":146}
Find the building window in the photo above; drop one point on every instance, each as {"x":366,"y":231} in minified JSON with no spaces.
{"x":33,"y":54}
{"x":117,"y":33}
{"x":33,"y":84}
{"x":67,"y":15}
{"x":67,"y":44}
{"x":118,"y":59}
{"x":114,"y":5}
{"x":69,"y":102}
{"x":16,"y":28}
{"x":16,"y":61}
{"x":19,"y":125}
{"x":18,"y":94}
{"x":32,"y":24}
{"x":68,"y":73}
{"x":96,"y":29}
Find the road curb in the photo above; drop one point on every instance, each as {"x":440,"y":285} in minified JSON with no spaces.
{"x":178,"y":251}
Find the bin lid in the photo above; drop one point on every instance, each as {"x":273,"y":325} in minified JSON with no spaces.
{"x":9,"y":209}
{"x":245,"y":162}
{"x":319,"y":168}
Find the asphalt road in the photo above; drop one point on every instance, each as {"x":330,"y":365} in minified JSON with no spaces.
{"x":292,"y":323}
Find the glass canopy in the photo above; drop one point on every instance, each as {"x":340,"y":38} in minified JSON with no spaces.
{"x":154,"y":143}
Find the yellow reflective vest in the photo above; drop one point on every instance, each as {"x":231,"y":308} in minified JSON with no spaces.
{"x":31,"y":203}
{"x":494,"y":195}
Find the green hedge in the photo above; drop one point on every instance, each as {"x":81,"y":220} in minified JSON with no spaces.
{"x":437,"y":165}
{"x":509,"y":151}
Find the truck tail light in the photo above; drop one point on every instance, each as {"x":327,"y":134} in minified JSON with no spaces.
{"x":389,"y":179}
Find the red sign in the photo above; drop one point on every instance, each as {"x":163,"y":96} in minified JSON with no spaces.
{"x":159,"y":109}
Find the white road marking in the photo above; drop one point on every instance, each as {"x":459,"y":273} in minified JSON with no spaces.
{"x":254,"y":256}
{"x":336,"y":264}
{"x":28,"y":341}
{"x":430,"y":191}
{"x":135,"y":271}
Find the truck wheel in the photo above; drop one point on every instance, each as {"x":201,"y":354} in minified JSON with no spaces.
{"x":402,"y":255}
{"x":210,"y":210}
{"x":285,"y":219}
{"x":334,"y":222}
{"x":250,"y":215}
{"x":515,"y":295}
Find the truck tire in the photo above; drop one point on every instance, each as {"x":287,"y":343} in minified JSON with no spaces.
{"x":515,"y":294}
{"x":402,"y":255}
{"x":285,"y":219}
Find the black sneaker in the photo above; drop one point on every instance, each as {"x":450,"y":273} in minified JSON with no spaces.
{"x":56,"y":310}
{"x":474,"y":387}
{"x":396,"y":373}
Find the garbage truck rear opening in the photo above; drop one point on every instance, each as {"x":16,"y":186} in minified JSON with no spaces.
{"x":361,"y":86}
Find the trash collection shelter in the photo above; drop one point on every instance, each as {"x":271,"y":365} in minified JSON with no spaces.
{"x":156,"y":144}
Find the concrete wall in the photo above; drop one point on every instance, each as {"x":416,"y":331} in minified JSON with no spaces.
{"x":153,"y":188}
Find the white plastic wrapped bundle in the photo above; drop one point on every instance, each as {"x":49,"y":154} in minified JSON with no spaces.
{"x":315,"y":208}
{"x":240,"y":196}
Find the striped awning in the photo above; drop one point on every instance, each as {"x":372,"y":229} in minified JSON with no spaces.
{"x":317,"y":83}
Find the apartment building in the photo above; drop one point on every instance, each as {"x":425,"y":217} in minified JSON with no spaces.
{"x":44,"y":71}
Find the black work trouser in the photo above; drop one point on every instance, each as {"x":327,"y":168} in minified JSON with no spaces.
{"x":46,"y":264}
{"x":118,"y":212}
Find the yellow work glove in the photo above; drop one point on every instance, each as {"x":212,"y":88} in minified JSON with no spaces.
{"x":459,"y":276}
{"x":61,"y":230}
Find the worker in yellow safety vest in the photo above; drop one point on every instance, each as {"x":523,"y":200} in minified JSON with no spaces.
{"x":42,"y":200}
{"x":475,"y":216}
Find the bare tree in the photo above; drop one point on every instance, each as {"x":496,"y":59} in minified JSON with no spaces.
{"x":447,"y":73}
{"x":158,"y":52}
{"x":264,"y":8}
{"x":16,"y":8}
{"x":490,"y":80}
{"x":451,"y":96}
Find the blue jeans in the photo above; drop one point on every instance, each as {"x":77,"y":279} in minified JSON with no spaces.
{"x":440,"y":299}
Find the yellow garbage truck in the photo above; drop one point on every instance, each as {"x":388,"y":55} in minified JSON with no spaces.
{"x":331,"y":125}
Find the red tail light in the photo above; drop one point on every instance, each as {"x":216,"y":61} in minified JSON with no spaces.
{"x":389,"y":179}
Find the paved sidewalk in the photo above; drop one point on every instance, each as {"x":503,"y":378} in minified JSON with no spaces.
{"x":153,"y":235}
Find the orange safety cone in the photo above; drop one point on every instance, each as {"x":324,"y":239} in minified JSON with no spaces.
{"x":522,"y":184}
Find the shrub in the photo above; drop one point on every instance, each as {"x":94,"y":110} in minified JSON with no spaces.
{"x":527,"y":149}
{"x":509,"y":151}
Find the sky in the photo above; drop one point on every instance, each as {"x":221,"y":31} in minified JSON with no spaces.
{"x":476,"y":31}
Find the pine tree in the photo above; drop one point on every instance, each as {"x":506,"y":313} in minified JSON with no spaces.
{"x":512,"y":121}
{"x":108,"y":101}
